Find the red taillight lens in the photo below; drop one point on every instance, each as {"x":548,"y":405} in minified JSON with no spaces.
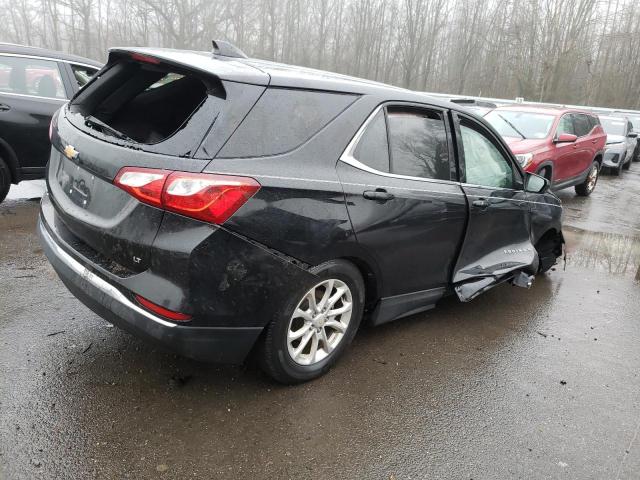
{"x":170,"y":314}
{"x":143,"y":183}
{"x":208,"y":197}
{"x":138,"y":57}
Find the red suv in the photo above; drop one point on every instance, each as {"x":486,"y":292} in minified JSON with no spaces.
{"x":563,"y":145}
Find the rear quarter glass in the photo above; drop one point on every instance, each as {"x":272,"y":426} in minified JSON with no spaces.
{"x":284,"y":119}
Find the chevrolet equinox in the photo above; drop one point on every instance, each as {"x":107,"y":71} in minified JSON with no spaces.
{"x":225,"y":206}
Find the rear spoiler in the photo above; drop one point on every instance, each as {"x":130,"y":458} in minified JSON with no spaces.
{"x":223,"y":64}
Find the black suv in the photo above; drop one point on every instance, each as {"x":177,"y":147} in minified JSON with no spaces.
{"x":224,"y":206}
{"x":34,"y":83}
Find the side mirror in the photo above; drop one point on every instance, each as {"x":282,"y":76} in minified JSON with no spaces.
{"x":566,"y":138}
{"x":536,"y":183}
{"x":633,"y":134}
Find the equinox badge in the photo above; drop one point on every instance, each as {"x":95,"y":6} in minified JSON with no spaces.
{"x":70,"y":152}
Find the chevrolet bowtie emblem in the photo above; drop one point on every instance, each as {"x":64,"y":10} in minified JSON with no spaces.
{"x":70,"y":152}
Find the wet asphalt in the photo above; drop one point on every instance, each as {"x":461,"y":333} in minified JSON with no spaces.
{"x":532,"y":384}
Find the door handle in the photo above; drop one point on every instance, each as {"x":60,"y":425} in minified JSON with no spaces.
{"x":481,"y":203}
{"x":4,"y":107}
{"x":379,"y":194}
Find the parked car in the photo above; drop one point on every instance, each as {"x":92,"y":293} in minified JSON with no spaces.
{"x":563,"y":145}
{"x":225,"y":207}
{"x":34,"y":83}
{"x":634,"y":118}
{"x":621,"y":143}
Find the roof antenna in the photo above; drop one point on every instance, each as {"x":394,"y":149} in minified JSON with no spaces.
{"x":226,"y":49}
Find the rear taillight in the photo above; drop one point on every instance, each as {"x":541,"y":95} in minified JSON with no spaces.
{"x":208,"y":197}
{"x":165,"y":312}
{"x":211,"y":198}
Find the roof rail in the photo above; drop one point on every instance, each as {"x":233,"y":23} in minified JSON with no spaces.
{"x":226,"y":49}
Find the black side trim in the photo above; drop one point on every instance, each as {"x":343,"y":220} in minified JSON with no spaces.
{"x":399,"y":306}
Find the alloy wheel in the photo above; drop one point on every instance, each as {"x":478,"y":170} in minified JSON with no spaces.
{"x":319,"y":322}
{"x":592,"y":179}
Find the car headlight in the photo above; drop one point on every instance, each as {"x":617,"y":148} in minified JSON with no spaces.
{"x":524,"y":159}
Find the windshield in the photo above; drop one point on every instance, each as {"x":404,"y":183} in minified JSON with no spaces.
{"x":613,"y":126}
{"x":510,"y":123}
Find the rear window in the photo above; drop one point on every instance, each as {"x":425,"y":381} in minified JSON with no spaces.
{"x":282,"y":120}
{"x":163,"y":108}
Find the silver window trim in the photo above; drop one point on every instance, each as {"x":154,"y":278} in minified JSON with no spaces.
{"x":347,"y":155}
{"x":63,"y":100}
{"x":348,"y":158}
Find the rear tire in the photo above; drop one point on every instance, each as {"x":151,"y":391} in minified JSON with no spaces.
{"x":586,"y":188}
{"x":278,"y":357}
{"x":5,"y":180}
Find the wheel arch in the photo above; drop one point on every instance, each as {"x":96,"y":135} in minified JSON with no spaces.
{"x":11,"y":159}
{"x":372,"y":286}
{"x":547,"y":164}
{"x":599,"y":157}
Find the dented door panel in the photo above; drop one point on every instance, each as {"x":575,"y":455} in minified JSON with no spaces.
{"x":497,"y":241}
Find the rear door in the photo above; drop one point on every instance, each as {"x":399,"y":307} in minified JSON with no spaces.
{"x":564,"y":152}
{"x":583,"y":151}
{"x":31,"y":90}
{"x":497,"y":241}
{"x":405,"y":204}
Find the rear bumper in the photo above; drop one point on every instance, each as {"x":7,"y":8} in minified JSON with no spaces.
{"x":212,"y":344}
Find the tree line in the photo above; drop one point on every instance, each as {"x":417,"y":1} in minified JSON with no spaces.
{"x":567,"y":51}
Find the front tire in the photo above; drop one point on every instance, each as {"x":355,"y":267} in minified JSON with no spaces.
{"x":628,"y":164}
{"x":316,"y":325}
{"x":586,"y":188}
{"x":5,"y":180}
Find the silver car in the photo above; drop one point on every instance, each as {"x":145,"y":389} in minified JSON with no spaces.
{"x":621,"y":143}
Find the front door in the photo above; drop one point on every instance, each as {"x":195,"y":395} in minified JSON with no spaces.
{"x":497,"y":242}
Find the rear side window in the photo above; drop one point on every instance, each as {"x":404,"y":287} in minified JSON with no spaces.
{"x":582,"y":124}
{"x":418,"y":143}
{"x":373,"y":149}
{"x":282,"y":120}
{"x":30,"y":76}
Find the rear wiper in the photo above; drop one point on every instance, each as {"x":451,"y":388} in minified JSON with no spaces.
{"x":93,"y":122}
{"x":512,"y":126}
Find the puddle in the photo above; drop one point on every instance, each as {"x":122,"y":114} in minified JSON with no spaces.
{"x":611,"y":253}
